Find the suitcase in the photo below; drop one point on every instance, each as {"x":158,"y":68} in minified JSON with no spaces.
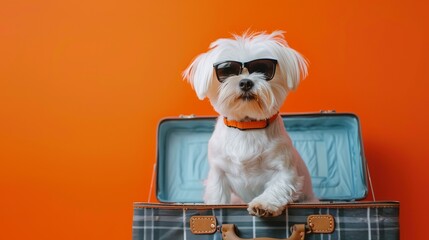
{"x":330,"y":143}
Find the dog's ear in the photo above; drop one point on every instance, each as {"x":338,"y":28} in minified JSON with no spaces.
{"x":293,"y":65}
{"x":200,"y":74}
{"x":295,"y":68}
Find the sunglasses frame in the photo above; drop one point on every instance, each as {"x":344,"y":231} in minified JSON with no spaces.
{"x":245,"y":65}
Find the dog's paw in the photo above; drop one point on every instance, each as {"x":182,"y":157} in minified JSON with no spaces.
{"x":264,"y":209}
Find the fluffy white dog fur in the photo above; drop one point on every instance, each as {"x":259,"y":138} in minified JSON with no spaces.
{"x":260,"y":167}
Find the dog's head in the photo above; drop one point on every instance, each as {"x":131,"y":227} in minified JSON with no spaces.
{"x":248,"y":76}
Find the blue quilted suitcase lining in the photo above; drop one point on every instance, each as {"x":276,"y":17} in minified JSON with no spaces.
{"x":330,"y":145}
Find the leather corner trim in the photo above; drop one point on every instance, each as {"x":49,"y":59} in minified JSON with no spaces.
{"x":321,"y":223}
{"x":203,"y":224}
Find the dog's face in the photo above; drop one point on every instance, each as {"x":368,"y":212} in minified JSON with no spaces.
{"x":247,"y":77}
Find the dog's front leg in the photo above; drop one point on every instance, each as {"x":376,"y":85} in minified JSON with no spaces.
{"x":217,"y":189}
{"x":282,"y":189}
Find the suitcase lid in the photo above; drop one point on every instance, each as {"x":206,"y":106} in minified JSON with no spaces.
{"x":329,"y":143}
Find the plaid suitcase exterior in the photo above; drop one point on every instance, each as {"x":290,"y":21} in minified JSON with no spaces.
{"x":331,"y":145}
{"x":351,"y":221}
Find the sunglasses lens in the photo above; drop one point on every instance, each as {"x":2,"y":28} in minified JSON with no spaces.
{"x":264,"y":66}
{"x":227,"y":69}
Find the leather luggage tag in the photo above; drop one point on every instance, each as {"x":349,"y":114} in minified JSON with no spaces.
{"x":203,"y":224}
{"x":321,"y":223}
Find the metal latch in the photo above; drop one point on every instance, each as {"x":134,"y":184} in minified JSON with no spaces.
{"x":187,"y":116}
{"x":327,"y":111}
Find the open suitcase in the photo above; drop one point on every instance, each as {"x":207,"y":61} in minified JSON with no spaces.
{"x":330,"y":144}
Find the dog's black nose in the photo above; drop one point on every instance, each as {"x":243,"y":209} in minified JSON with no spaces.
{"x":246,"y":84}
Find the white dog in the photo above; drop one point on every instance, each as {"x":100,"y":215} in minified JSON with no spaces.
{"x":247,"y":79}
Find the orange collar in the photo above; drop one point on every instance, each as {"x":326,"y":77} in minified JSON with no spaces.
{"x":259,"y":124}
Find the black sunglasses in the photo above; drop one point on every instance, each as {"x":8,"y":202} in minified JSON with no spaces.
{"x":231,"y":68}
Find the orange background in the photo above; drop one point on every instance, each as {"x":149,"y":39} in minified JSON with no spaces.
{"x":84,"y":84}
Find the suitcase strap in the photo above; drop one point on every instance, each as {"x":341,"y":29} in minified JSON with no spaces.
{"x":315,"y":224}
